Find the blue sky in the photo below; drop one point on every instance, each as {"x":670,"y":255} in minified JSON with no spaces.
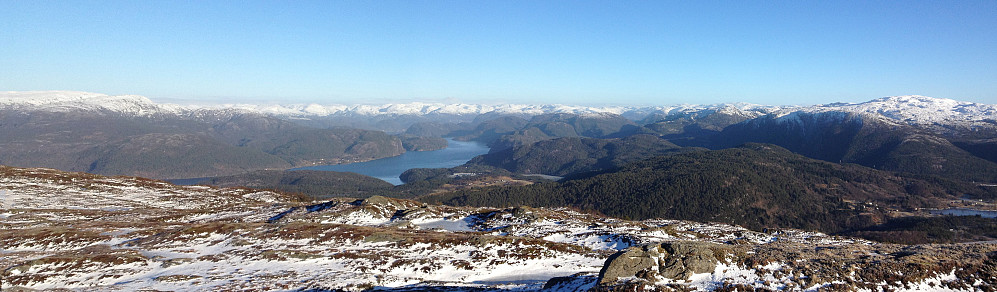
{"x":570,"y":52}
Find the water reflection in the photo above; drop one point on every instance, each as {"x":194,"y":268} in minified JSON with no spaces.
{"x":965,"y":212}
{"x":388,"y":169}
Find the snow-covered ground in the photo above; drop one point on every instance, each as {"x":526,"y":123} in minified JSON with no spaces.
{"x":81,"y":231}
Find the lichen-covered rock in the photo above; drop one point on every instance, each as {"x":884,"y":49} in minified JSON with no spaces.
{"x":385,"y":201}
{"x":584,"y":281}
{"x":629,"y":263}
{"x":686,"y":258}
{"x":672,"y":260}
{"x":789,"y":266}
{"x":387,"y":207}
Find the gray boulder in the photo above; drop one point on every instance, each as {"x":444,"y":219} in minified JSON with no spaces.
{"x":672,"y":260}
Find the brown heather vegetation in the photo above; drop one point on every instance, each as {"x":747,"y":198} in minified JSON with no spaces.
{"x":886,"y":262}
{"x":51,"y":236}
{"x":96,"y":257}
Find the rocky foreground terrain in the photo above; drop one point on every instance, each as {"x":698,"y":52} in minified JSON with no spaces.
{"x":83,"y":232}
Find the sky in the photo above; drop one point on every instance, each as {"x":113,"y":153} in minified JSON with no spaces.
{"x":509,"y":51}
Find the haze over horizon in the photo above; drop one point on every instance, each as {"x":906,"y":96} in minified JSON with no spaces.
{"x":552,"y":52}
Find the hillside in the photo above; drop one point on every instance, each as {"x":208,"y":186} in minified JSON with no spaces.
{"x":175,"y":156}
{"x":950,"y":118}
{"x":696,"y":123}
{"x":77,"y":231}
{"x":422,"y":143}
{"x":488,"y":130}
{"x":131,"y":135}
{"x":549,"y":126}
{"x":871,"y":141}
{"x":758,"y":186}
{"x":314,"y":184}
{"x":563,"y":156}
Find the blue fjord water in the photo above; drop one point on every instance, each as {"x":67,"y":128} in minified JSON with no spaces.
{"x":965,"y":212}
{"x":388,"y":169}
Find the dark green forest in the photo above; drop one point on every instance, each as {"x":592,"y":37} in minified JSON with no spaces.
{"x":313,"y":184}
{"x":756,"y":185}
{"x":563,"y":156}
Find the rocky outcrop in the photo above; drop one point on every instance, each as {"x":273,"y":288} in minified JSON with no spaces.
{"x":672,"y":260}
{"x":788,"y":266}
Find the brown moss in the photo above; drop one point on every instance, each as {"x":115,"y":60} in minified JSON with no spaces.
{"x":49,"y":235}
{"x":87,"y":259}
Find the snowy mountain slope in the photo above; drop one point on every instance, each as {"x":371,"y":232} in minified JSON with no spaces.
{"x":64,"y":101}
{"x":947,"y":117}
{"x":915,"y":110}
{"x":119,"y":233}
{"x":417,"y":108}
{"x":139,"y":105}
{"x":923,"y":110}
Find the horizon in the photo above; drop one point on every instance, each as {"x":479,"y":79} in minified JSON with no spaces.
{"x":453,"y":101}
{"x":594,"y":53}
{"x":227,"y":102}
{"x":457,"y":102}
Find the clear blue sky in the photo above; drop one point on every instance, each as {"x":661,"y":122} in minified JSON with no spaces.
{"x":571,"y":52}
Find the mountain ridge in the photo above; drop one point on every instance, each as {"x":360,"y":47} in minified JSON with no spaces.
{"x":913,"y":109}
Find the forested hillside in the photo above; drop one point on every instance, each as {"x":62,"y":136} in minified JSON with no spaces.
{"x":170,"y":146}
{"x":563,"y":156}
{"x":862,"y":139}
{"x":314,"y":184}
{"x":756,"y":185}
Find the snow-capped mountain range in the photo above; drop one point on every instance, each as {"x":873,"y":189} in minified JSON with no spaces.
{"x":910,"y":109}
{"x":916,"y":109}
{"x":61,"y":101}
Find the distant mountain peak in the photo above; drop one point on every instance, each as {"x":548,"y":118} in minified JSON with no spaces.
{"x":63,"y":96}
{"x":910,"y":109}
{"x":61,"y":101}
{"x":913,"y":110}
{"x":914,"y":99}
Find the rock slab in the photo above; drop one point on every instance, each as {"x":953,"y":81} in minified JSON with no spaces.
{"x":672,"y":260}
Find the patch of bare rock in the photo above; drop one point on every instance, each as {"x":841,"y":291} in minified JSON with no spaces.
{"x":693,"y":265}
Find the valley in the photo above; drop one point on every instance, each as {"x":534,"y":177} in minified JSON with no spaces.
{"x":498,"y":146}
{"x":890,"y":194}
{"x":389,"y":169}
